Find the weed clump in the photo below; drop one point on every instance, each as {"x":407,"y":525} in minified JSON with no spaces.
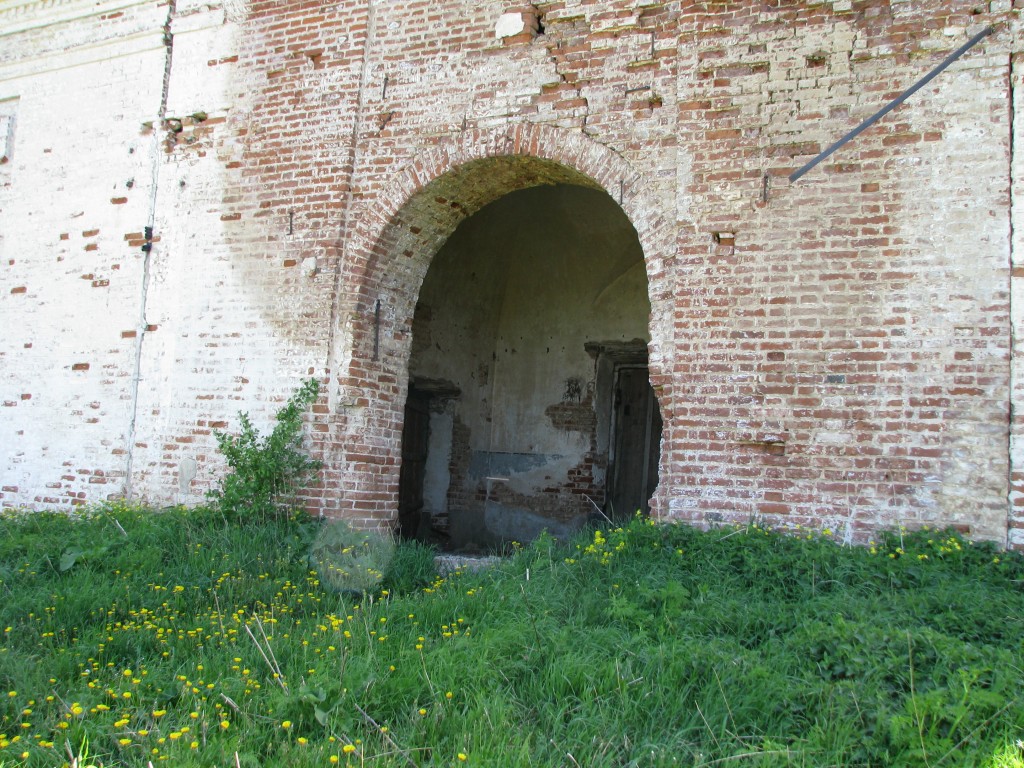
{"x":265,"y":471}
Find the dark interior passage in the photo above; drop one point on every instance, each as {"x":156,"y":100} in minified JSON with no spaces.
{"x":517,"y":419}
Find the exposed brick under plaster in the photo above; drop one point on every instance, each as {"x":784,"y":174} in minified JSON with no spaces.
{"x":839,"y":351}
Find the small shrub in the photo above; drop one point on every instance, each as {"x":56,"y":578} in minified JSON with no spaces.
{"x":266,"y":471}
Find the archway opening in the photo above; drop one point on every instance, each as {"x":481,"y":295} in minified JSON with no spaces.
{"x":529,"y":403}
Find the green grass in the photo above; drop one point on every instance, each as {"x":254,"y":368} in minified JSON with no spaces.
{"x":135,"y":637}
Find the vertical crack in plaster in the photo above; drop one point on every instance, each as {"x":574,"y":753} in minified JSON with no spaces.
{"x":1011,"y":411}
{"x":147,"y":255}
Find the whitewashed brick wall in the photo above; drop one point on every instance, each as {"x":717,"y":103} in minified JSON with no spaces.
{"x":838,"y":351}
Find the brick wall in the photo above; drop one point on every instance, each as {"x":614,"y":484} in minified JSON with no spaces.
{"x":1016,"y":92}
{"x":835,"y":351}
{"x":75,"y":197}
{"x":861,"y":314}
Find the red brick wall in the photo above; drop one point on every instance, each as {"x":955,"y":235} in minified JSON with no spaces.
{"x":833,"y":352}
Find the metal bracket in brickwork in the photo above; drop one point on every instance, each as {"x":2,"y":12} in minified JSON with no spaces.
{"x":895,"y":102}
{"x":148,"y":245}
{"x":376,"y":330}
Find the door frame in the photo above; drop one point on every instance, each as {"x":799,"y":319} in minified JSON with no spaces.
{"x":609,"y":358}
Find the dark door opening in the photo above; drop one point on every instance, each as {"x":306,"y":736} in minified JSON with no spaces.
{"x":636,"y":443}
{"x":415,"y":441}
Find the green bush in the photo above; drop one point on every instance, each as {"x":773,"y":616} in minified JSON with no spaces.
{"x":266,"y":471}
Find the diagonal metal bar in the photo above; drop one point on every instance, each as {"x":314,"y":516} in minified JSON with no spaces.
{"x":895,"y":102}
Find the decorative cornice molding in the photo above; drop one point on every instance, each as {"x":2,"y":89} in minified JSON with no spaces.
{"x":21,"y":16}
{"x":76,"y":56}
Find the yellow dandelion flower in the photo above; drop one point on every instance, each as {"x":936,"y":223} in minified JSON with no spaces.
{"x":348,"y":749}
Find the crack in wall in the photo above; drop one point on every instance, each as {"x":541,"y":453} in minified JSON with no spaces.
{"x":147,"y":248}
{"x":1011,"y":410}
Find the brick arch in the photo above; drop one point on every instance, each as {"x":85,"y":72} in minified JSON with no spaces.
{"x":391,"y":247}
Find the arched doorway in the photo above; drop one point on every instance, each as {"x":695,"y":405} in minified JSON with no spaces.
{"x":398,"y":235}
{"x":529,"y":404}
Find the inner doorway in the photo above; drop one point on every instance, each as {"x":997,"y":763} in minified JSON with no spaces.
{"x":635,"y":445}
{"x":415,"y":436}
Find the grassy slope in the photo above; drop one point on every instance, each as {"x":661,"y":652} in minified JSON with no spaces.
{"x":139,"y":637}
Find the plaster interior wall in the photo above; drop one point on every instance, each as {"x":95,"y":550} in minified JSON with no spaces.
{"x":518,"y":438}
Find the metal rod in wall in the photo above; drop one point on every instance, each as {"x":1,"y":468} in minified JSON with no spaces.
{"x":895,"y":102}
{"x":376,"y":330}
